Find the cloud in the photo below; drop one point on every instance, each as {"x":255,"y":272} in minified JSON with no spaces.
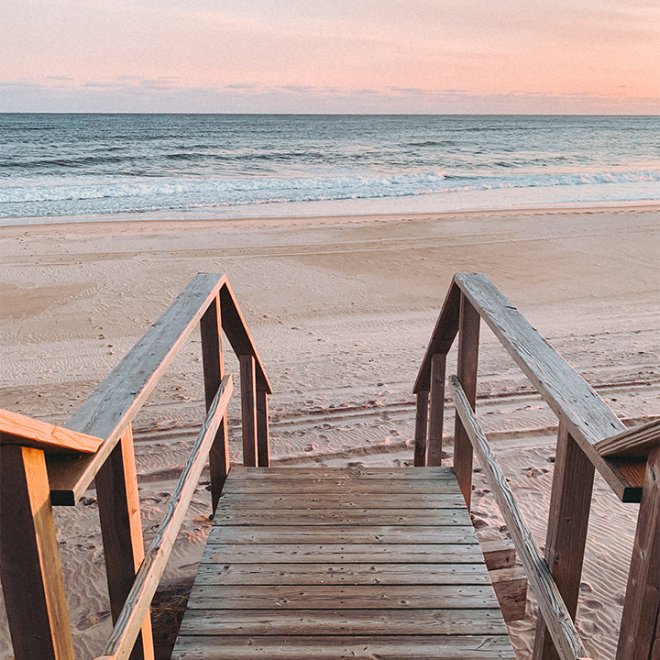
{"x":167,"y":94}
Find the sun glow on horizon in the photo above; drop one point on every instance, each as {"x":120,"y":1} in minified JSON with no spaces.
{"x":567,"y":56}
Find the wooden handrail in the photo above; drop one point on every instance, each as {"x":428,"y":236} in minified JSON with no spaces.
{"x":636,"y":442}
{"x":25,"y":431}
{"x":137,"y":603}
{"x":114,"y":403}
{"x":551,"y":604}
{"x":572,"y":399}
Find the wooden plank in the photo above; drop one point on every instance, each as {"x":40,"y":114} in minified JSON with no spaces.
{"x":151,"y":569}
{"x":263,"y":441}
{"x":348,"y":622}
{"x":635,"y":442}
{"x":113,"y":404}
{"x":498,"y":554}
{"x":568,"y":520}
{"x":18,"y":429}
{"x":238,"y":334}
{"x":312,"y":597}
{"x":248,"y":410}
{"x":640,"y":624}
{"x":343,"y":474}
{"x":510,"y":586}
{"x":334,"y":502}
{"x":421,"y":425}
{"x":30,"y":567}
{"x":280,"y":532}
{"x":214,"y":371}
{"x":319,"y":517}
{"x":551,"y":605}
{"x":436,"y":409}
{"x":586,"y":415}
{"x":121,"y":530}
{"x":338,"y":573}
{"x":352,"y":487}
{"x":445,"y":331}
{"x":343,"y":553}
{"x":320,"y":647}
{"x":467,"y":363}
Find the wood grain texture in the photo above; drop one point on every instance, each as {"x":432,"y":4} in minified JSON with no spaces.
{"x":640,"y":624}
{"x":121,"y":530}
{"x":446,"y":328}
{"x":151,"y":569}
{"x":214,"y":371}
{"x":364,"y":647}
{"x":342,"y":574}
{"x":510,"y":586}
{"x":636,"y":442}
{"x":421,"y":427}
{"x":18,"y":429}
{"x":436,"y":410}
{"x":588,"y":418}
{"x":551,"y":605}
{"x":30,"y":567}
{"x":248,"y":410}
{"x":466,"y":370}
{"x":568,"y":520}
{"x":114,"y":403}
{"x":263,"y":431}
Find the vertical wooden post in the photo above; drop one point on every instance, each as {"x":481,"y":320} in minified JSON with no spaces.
{"x":436,"y":409}
{"x":466,"y":370}
{"x":640,"y":624}
{"x":421,"y":425}
{"x":214,"y":371}
{"x":30,"y":566}
{"x":568,"y":520}
{"x":121,"y":530}
{"x":263,"y":446}
{"x":249,"y":410}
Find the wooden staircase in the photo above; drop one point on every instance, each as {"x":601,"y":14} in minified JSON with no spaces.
{"x":343,"y":562}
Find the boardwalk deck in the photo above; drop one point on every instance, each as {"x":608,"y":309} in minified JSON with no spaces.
{"x":330,"y":563}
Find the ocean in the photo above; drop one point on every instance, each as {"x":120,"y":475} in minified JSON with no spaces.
{"x":55,"y":167}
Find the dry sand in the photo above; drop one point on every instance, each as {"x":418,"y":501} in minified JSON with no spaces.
{"x":341,"y":310}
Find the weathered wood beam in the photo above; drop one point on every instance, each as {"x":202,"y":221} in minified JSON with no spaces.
{"x":510,"y":586}
{"x":115,"y":402}
{"x":436,"y":410}
{"x":214,"y":372}
{"x":640,"y":625}
{"x":263,"y":433}
{"x":30,"y":567}
{"x":121,"y":529}
{"x":249,"y":409}
{"x":421,"y":426}
{"x":551,"y":605}
{"x":151,"y":570}
{"x":636,"y":442}
{"x":468,"y":359}
{"x":26,"y":431}
{"x":586,"y":415}
{"x":568,"y":520}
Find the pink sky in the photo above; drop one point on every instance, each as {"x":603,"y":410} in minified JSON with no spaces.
{"x":435,"y":56}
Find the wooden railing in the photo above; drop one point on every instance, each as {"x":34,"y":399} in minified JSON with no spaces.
{"x":42,"y":465}
{"x":590,"y":437}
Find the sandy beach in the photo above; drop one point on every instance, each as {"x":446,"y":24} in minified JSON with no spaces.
{"x":341,"y":310}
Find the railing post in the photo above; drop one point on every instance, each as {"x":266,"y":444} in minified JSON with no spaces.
{"x":568,"y":520}
{"x":421,"y":425}
{"x":640,"y":624}
{"x":214,"y":371}
{"x":263,"y":444}
{"x":30,"y":565}
{"x":249,"y":410}
{"x":466,"y":370}
{"x":436,"y":409}
{"x":121,"y":530}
